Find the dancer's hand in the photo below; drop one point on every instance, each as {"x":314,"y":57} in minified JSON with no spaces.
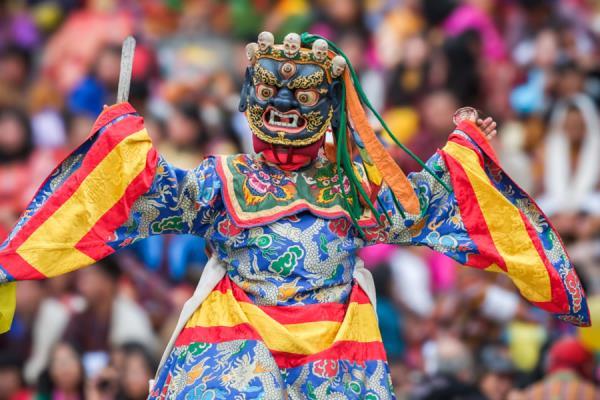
{"x":488,"y":127}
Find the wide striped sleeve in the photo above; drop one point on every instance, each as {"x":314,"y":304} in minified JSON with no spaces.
{"x":112,"y":190}
{"x":510,"y":231}
{"x":488,"y":222}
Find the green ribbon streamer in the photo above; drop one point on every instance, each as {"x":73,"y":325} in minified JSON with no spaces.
{"x":308,"y":39}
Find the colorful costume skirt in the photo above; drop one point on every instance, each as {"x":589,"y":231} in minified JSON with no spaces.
{"x":231,"y":348}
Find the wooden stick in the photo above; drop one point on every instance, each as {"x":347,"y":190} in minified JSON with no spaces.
{"x":127,"y":53}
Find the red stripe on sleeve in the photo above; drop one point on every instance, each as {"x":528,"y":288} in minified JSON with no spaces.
{"x":472,"y":217}
{"x":559,"y":302}
{"x":94,"y":243}
{"x":18,"y":268}
{"x":471,"y":129}
{"x":105,"y":143}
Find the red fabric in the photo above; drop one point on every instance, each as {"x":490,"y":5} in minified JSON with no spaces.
{"x":345,"y":350}
{"x":94,"y":242}
{"x":298,"y":314}
{"x":110,"y":113}
{"x":342,"y":350}
{"x":560,"y":301}
{"x":16,"y":265}
{"x":479,"y":232}
{"x":568,"y":353}
{"x":475,"y":222}
{"x":287,"y":158}
{"x":473,"y":131}
{"x":472,"y":217}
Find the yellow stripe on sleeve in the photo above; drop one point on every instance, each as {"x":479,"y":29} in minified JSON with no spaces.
{"x":51,"y":248}
{"x":507,"y":229}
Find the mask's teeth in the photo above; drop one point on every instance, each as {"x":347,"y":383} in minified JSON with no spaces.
{"x":283,"y":120}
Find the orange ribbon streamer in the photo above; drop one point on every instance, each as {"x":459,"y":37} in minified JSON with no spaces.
{"x":392,"y":174}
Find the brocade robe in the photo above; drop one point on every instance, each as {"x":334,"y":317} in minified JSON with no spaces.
{"x":286,"y":310}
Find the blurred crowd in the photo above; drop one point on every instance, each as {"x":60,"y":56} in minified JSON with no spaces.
{"x":450,"y":332}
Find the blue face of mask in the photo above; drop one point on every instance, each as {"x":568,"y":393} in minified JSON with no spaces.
{"x":289,"y":102}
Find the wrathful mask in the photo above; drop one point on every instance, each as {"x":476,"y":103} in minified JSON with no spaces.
{"x":291,"y":94}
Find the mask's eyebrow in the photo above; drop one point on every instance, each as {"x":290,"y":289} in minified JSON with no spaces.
{"x":308,"y":81}
{"x":263,"y":75}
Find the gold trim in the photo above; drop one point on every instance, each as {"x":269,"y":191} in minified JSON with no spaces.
{"x":254,"y":116}
{"x":304,"y":56}
{"x":313,"y":120}
{"x":307,"y":81}
{"x":263,"y":75}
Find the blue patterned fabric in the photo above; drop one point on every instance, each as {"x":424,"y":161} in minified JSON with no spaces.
{"x":301,"y":259}
{"x":244,"y":369}
{"x":298,"y":260}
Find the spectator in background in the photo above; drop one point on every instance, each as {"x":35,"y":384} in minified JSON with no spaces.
{"x":436,"y":110}
{"x":540,"y":58}
{"x":126,"y":377}
{"x":462,"y":77}
{"x":410,"y":79}
{"x":497,"y":377}
{"x":78,"y":128}
{"x":451,"y":372}
{"x":12,"y":386}
{"x":477,"y":16}
{"x":47,"y":122}
{"x":411,"y":282}
{"x":15,"y":68}
{"x":568,"y":374}
{"x":99,"y":87}
{"x":337,"y":18}
{"x":572,"y":164}
{"x":138,"y":368}
{"x":16,"y":148}
{"x":387,"y":313}
{"x":22,"y":166}
{"x":64,"y":378}
{"x":108,"y":318}
{"x":51,"y":317}
{"x":186,"y":137}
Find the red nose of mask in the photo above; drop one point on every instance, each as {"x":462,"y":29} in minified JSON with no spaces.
{"x":288,"y":158}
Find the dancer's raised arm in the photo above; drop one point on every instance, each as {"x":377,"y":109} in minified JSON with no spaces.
{"x":111,"y":191}
{"x":486,"y":221}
